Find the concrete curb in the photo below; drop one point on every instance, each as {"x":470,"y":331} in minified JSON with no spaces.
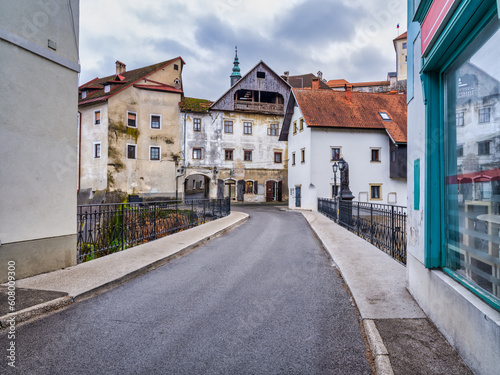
{"x":379,"y":351}
{"x":61,"y":302}
{"x":381,"y":355}
{"x":34,"y":311}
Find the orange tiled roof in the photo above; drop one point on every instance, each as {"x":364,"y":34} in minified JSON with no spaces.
{"x":402,"y":36}
{"x":331,"y":109}
{"x":374,"y":83}
{"x":337,"y":83}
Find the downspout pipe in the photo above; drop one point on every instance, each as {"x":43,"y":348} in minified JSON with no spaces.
{"x":183,"y":161}
{"x":79,"y":149}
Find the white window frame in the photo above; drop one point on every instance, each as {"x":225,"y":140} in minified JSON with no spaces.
{"x":126,"y":151}
{"x":159,"y":153}
{"x":84,"y":94}
{"x":93,"y":150}
{"x":136,"y":120}
{"x":100,"y":117}
{"x":194,"y":128}
{"x":201,"y":153}
{"x":150,"y":121}
{"x":107,"y":88}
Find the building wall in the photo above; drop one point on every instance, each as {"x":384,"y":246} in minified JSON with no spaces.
{"x":316,"y":175}
{"x":142,"y":175}
{"x":38,"y":136}
{"x":93,"y":171}
{"x":213,"y":141}
{"x":401,"y":56}
{"x":467,"y":321}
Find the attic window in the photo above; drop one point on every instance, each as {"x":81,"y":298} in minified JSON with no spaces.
{"x":384,"y":116}
{"x":176,"y":67}
{"x":84,"y":94}
{"x":107,"y":88}
{"x":261,"y":74}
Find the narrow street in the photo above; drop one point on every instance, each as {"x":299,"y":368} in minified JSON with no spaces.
{"x":262,"y":299}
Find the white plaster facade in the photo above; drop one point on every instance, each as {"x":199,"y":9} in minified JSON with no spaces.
{"x":213,"y":141}
{"x":315,"y":177}
{"x":38,"y":135}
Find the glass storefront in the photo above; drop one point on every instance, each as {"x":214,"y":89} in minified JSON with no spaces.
{"x":472,"y":163}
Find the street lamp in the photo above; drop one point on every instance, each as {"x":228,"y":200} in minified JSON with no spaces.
{"x":335,"y":168}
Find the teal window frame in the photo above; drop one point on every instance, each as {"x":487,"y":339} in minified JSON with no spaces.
{"x":465,"y":24}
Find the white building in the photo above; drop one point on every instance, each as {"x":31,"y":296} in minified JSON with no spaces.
{"x":38,"y":135}
{"x":367,"y":130}
{"x":234,"y":144}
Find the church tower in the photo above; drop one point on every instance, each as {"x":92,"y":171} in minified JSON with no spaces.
{"x":235,"y":75}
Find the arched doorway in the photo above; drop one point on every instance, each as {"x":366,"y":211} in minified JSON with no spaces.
{"x":196,"y":186}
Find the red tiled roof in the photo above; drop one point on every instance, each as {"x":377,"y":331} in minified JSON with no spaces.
{"x":402,"y":36}
{"x":337,"y":83}
{"x":331,"y":109}
{"x":374,"y":83}
{"x":129,"y":78}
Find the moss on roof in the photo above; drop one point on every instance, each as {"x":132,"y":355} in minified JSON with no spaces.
{"x":194,"y":105}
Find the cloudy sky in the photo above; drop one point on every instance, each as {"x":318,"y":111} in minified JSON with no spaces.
{"x":350,"y":39}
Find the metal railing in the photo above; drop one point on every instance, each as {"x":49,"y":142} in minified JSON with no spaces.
{"x":381,"y":224}
{"x":107,"y":228}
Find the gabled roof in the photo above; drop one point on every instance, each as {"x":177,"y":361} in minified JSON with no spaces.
{"x":332,"y":109}
{"x":244,"y":78}
{"x":402,"y":36}
{"x":95,"y":87}
{"x":305,"y":80}
{"x":194,"y":105}
{"x":337,"y":83}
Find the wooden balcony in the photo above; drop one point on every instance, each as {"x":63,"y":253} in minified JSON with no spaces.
{"x":243,"y":105}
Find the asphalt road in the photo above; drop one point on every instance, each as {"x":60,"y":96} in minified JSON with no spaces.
{"x":263,"y":299}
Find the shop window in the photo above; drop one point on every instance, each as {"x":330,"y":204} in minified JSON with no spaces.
{"x":471,"y":213}
{"x":249,"y":187}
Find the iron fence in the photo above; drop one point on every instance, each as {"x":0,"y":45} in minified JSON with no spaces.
{"x":382,"y":224}
{"x":107,"y":228}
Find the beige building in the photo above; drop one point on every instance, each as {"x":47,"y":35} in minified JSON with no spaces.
{"x":129,"y":130}
{"x":400,"y":45}
{"x":38,"y":135}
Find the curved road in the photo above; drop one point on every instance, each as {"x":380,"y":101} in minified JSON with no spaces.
{"x":263,"y":299}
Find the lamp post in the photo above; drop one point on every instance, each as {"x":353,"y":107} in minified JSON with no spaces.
{"x":335,"y":168}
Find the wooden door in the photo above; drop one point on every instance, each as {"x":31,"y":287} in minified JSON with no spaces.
{"x":269,"y":191}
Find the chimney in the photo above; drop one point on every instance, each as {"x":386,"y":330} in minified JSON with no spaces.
{"x":348,"y":92}
{"x":315,"y":83}
{"x":120,"y":67}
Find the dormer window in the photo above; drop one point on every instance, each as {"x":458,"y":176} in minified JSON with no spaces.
{"x":84,"y":94}
{"x":385,"y":116}
{"x":107,"y":88}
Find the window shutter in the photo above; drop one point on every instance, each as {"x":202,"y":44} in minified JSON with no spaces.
{"x":280,"y":192}
{"x":256,"y":187}
{"x":240,"y":190}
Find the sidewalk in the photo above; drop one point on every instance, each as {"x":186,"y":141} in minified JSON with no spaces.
{"x":40,"y":294}
{"x":402,"y":339}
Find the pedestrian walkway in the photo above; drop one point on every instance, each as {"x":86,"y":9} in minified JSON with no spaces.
{"x":39,"y":294}
{"x":402,"y":338}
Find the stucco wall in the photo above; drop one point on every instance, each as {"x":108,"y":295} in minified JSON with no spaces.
{"x":38,"y":137}
{"x":316,"y":175}
{"x":213,"y":141}
{"x":93,"y":171}
{"x":143,"y":175}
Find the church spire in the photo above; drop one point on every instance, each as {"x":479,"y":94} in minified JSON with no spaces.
{"x":235,"y":75}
